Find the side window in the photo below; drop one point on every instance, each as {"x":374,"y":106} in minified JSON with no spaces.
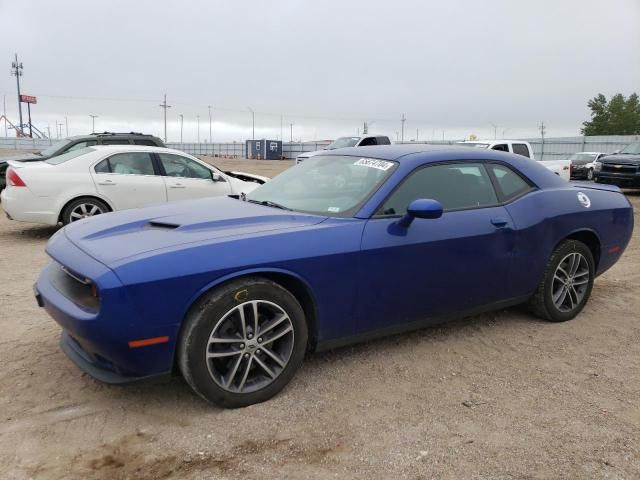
{"x":103,"y":167}
{"x":383,"y":141}
{"x":503,"y":147}
{"x":521,"y":149}
{"x":456,"y":186}
{"x":368,"y":141}
{"x":511,"y":184}
{"x":178,"y":166}
{"x":79,"y":145}
{"x":149,"y":143}
{"x":115,"y":141}
{"x":132,"y":163}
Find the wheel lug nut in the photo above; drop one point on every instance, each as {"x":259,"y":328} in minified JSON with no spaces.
{"x":249,"y":336}
{"x":259,"y":339}
{"x":258,"y":351}
{"x":246,"y":355}
{"x":242,"y":345}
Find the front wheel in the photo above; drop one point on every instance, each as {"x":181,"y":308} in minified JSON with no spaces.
{"x":83,"y":208}
{"x":567,"y":282}
{"x":242,"y":343}
{"x":590,"y":174}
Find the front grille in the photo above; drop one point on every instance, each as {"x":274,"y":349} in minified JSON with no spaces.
{"x":619,"y":168}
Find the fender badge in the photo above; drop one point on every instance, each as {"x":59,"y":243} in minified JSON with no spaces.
{"x":584,"y":200}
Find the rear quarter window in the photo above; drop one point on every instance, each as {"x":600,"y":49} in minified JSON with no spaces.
{"x":510,"y":183}
{"x":521,"y":149}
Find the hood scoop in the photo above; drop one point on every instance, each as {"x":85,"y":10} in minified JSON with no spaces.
{"x":163,"y":225}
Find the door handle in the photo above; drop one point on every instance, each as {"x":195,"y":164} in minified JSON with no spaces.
{"x":177,"y":185}
{"x":107,"y":182}
{"x":499,"y":222}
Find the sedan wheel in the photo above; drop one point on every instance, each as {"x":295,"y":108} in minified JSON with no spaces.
{"x":566,"y":284}
{"x":590,"y":174}
{"x":83,"y":208}
{"x":243,"y":342}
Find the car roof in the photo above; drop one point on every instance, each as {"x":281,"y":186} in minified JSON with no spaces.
{"x":405,"y":152}
{"x":499,"y":140}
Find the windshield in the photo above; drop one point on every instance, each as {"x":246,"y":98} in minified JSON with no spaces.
{"x":582,"y":157}
{"x":473,"y":144}
{"x":632,"y":148}
{"x":69,"y":155}
{"x":47,"y":152}
{"x":326,"y":185}
{"x":343,"y":142}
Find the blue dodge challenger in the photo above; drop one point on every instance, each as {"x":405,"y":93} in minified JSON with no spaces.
{"x":350,"y":245}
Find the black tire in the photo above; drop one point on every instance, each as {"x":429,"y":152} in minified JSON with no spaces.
{"x":203,"y":321}
{"x":590,"y":174}
{"x":542,"y":303}
{"x":71,"y":211}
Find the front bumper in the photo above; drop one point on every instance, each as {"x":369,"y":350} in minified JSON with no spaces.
{"x":619,"y":179}
{"x":98,"y":340}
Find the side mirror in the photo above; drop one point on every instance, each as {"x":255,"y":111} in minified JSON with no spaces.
{"x":216,"y":177}
{"x":421,"y":208}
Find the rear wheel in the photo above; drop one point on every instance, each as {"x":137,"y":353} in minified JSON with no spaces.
{"x":243,"y":342}
{"x":567,"y":282}
{"x":590,"y":174}
{"x":83,"y":208}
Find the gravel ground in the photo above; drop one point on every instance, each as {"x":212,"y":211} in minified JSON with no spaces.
{"x":500,"y":395}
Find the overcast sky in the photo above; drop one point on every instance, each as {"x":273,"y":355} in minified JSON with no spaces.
{"x":452,"y":67}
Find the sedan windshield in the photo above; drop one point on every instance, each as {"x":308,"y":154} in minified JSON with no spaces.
{"x":343,"y":142}
{"x":326,"y":185}
{"x":632,"y":149}
{"x":47,"y":152}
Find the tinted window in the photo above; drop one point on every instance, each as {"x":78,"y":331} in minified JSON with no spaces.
{"x":503,"y":147}
{"x":103,"y":167}
{"x":149,"y":143}
{"x":521,"y":149}
{"x":178,"y":166}
{"x":510,"y":183}
{"x":368,"y":141}
{"x":79,"y":145}
{"x":68,"y":156}
{"x":132,"y":163}
{"x":456,"y":186}
{"x":115,"y":141}
{"x":383,"y":141}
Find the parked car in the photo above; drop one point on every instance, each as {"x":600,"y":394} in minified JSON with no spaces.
{"x":583,"y":163}
{"x":81,"y":141}
{"x":232,"y":293}
{"x":95,"y":180}
{"x":622,"y":168}
{"x":562,"y":168}
{"x":343,"y":142}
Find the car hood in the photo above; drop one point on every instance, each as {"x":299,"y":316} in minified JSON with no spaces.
{"x":312,"y":154}
{"x":22,"y":158}
{"x":113,"y":237}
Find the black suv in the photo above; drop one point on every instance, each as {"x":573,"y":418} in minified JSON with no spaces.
{"x":81,"y":141}
{"x":621,"y":169}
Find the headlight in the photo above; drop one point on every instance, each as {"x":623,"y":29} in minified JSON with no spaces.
{"x":597,"y":166}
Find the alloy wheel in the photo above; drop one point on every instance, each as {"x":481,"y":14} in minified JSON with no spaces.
{"x":85,"y":210}
{"x":250,"y":346}
{"x":570,"y":282}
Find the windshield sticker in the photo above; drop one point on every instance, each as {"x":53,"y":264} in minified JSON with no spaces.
{"x":333,"y":209}
{"x":373,"y":163}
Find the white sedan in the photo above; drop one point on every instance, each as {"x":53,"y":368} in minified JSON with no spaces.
{"x":100,"y":179}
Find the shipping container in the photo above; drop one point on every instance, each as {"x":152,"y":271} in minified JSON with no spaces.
{"x":264,"y":149}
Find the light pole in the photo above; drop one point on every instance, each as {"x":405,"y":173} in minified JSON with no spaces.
{"x":495,"y":130}
{"x":210,"y":131}
{"x":253,"y":124}
{"x":198,"y":120}
{"x":181,"y":123}
{"x":93,"y":123}
{"x":164,"y":106}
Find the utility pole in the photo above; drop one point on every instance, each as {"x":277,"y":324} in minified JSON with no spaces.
{"x":93,"y":123}
{"x":210,"y":131}
{"x":164,"y":106}
{"x":495,"y":130}
{"x":365,"y":128}
{"x":543,"y":130}
{"x":181,"y":125}
{"x":59,"y":129}
{"x":253,"y":124}
{"x":66,"y":125}
{"x":402,"y":120}
{"x":198,"y":120}
{"x":16,"y":69}
{"x":49,"y":132}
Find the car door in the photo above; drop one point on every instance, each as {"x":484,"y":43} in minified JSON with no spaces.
{"x":187,"y":179}
{"x":129,"y":180}
{"x":435,"y":267}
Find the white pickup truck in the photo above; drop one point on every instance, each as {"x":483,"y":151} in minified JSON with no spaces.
{"x":559,"y":167}
{"x":357,"y":141}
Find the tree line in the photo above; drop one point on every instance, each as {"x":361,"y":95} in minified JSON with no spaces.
{"x":616,"y":116}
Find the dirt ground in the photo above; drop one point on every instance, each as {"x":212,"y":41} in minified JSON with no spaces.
{"x":501,"y":395}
